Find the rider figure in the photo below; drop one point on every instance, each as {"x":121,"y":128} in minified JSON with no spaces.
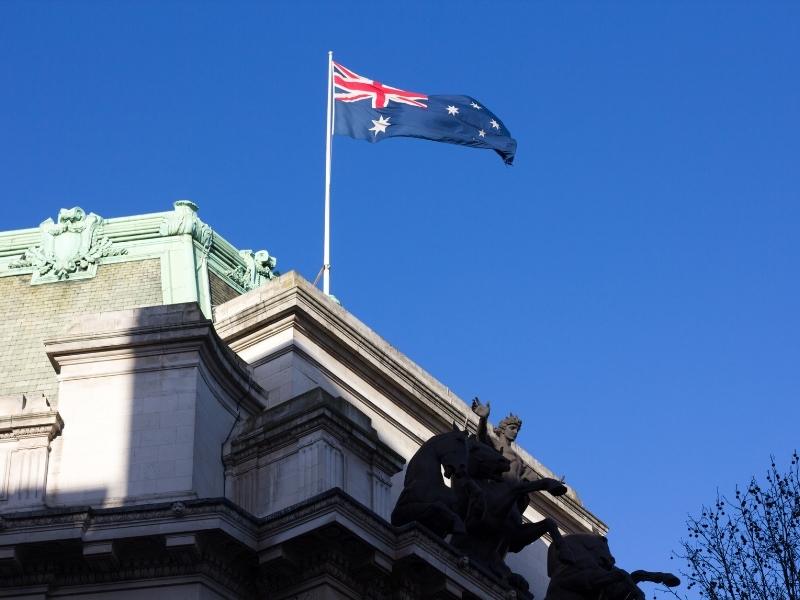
{"x":503,"y":438}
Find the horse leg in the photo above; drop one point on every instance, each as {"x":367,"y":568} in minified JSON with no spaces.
{"x":436,"y":516}
{"x":623,"y":589}
{"x":527,"y":533}
{"x":667,"y":579}
{"x":445,"y":517}
{"x":455,"y":523}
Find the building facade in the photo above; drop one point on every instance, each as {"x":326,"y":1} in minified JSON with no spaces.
{"x":177,"y":420}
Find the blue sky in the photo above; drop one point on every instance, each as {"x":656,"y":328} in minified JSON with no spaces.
{"x":629,"y":286}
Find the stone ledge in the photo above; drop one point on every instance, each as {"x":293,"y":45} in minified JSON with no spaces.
{"x":20,"y":417}
{"x":328,"y":530}
{"x":238,"y":320}
{"x":156,"y":331}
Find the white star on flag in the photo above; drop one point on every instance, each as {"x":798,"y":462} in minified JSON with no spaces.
{"x":380,"y":125}
{"x":482,"y":133}
{"x":475,"y":105}
{"x":495,"y":124}
{"x":452,"y":110}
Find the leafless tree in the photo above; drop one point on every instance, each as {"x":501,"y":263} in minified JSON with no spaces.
{"x":748,"y":547}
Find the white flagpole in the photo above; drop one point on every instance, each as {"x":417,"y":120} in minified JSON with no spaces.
{"x":326,"y":259}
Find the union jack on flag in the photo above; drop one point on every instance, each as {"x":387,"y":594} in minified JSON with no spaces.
{"x":369,"y":110}
{"x":354,"y":87}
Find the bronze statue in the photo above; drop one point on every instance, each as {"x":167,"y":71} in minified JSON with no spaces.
{"x":517,"y":535}
{"x":581,"y":567}
{"x":505,"y":434}
{"x":425,"y":497}
{"x":482,"y":513}
{"x":494,"y":517}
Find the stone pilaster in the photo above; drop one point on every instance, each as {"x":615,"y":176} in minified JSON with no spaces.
{"x":27,"y":426}
{"x":306,"y":446}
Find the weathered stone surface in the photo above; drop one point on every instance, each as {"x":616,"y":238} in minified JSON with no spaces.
{"x":33,"y":313}
{"x":308,"y":445}
{"x":150,"y":396}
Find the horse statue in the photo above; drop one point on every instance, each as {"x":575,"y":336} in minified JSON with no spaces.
{"x":425,"y":497}
{"x":493,"y":499}
{"x":581,"y":567}
{"x":490,"y":503}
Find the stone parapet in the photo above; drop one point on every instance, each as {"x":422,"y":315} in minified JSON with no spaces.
{"x":78,"y":243}
{"x":149,"y":397}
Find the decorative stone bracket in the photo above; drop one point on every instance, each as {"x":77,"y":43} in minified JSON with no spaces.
{"x":27,"y":426}
{"x":184,"y":220}
{"x":260,"y":268}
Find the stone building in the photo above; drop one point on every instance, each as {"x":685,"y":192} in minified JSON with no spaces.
{"x":179,"y":421}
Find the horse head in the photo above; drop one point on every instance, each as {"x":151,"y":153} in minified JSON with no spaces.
{"x":452,"y":452}
{"x":581,"y":551}
{"x":485,"y":462}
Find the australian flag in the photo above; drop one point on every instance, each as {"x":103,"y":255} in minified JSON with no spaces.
{"x":370,"y":110}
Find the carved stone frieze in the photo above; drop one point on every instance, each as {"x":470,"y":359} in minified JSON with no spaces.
{"x":68,"y":248}
{"x":50,"y":431}
{"x":28,"y":417}
{"x":135,"y":567}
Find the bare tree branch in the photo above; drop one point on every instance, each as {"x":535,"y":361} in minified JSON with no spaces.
{"x":747,"y":547}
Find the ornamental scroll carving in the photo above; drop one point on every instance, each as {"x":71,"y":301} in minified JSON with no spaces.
{"x":69,"y":248}
{"x":184,"y":220}
{"x":259,"y":268}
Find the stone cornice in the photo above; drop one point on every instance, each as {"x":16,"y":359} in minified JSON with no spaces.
{"x":396,"y":542}
{"x":47,"y":424}
{"x":140,"y":338}
{"x":164,"y":235}
{"x":253,"y":535}
{"x":291,"y":302}
{"x":21,"y":418}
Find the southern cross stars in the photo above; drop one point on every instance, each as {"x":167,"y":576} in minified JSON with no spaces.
{"x":453,"y":111}
{"x":380,"y":125}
